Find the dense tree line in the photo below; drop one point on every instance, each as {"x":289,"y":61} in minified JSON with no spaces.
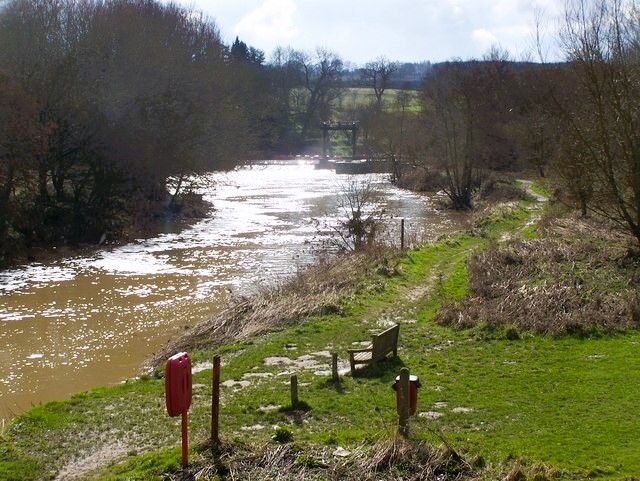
{"x":101,"y":103}
{"x":601,"y":145}
{"x":492,"y":115}
{"x":110,"y":109}
{"x":475,"y":119}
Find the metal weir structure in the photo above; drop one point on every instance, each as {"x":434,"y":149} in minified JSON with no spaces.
{"x":328,"y":127}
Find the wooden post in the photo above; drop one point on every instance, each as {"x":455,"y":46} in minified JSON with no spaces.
{"x":403,"y":414}
{"x":334,"y":367}
{"x":215,"y":404}
{"x":294,"y":390}
{"x":402,"y":234}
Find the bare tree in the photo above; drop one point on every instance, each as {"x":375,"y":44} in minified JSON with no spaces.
{"x":539,"y":34}
{"x":378,"y":73}
{"x":468,"y":113}
{"x":576,"y":172}
{"x":286,"y":77}
{"x":359,"y":202}
{"x":321,"y":78}
{"x":22,"y":139}
{"x":536,"y":126}
{"x":387,"y":130}
{"x":602,"y":43}
{"x":450,"y":116}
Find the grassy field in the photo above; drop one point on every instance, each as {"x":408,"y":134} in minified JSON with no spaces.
{"x":543,"y":406}
{"x":358,"y":97}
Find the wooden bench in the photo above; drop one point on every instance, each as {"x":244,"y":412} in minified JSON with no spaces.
{"x":381,"y":345}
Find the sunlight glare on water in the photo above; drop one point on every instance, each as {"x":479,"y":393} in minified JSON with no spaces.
{"x":90,"y":320}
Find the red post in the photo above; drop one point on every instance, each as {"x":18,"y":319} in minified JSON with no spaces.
{"x":215,"y":403}
{"x":178,"y":390}
{"x":185,"y":440}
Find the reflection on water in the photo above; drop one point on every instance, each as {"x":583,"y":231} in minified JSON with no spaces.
{"x":85,"y":321}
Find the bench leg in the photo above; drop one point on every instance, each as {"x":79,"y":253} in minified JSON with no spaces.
{"x":353,"y":365}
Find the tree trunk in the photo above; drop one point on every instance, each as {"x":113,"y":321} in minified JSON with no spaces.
{"x":5,"y":197}
{"x":177,"y":191}
{"x":42,"y":182}
{"x":583,"y":206}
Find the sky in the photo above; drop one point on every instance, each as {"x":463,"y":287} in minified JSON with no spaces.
{"x":402,"y":30}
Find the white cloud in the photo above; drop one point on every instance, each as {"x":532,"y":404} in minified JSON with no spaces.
{"x":484,"y":37}
{"x":361,"y":30}
{"x":456,"y":9}
{"x":271,"y":23}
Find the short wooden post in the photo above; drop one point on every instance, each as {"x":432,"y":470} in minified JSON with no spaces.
{"x":403,"y":412}
{"x":402,"y":234}
{"x":334,"y":367}
{"x":215,"y":404}
{"x":294,"y":390}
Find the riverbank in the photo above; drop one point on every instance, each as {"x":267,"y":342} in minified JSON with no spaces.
{"x":158,"y":218}
{"x":484,"y":390}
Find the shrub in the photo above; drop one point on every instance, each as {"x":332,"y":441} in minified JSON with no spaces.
{"x":283,"y":435}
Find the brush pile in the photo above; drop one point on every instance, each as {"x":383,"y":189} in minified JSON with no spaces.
{"x":391,"y":459}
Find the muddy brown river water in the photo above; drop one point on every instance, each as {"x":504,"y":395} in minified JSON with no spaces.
{"x":91,"y":320}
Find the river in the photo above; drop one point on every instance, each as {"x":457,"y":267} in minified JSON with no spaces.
{"x":92,"y":319}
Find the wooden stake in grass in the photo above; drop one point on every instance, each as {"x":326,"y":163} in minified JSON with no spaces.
{"x":402,"y":234}
{"x":215,"y":404}
{"x":403,"y":396}
{"x":294,"y":391}
{"x":334,"y":367}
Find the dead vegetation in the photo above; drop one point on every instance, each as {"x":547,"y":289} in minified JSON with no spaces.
{"x":551,"y":286}
{"x":314,"y":291}
{"x":391,"y":459}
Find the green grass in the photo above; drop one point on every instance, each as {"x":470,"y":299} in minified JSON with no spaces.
{"x":566,"y":403}
{"x":147,"y":467}
{"x":540,"y":189}
{"x":559,"y":402}
{"x":15,"y":466}
{"x":356,"y":97}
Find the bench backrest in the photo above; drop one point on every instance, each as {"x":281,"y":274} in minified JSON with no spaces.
{"x":385,"y":342}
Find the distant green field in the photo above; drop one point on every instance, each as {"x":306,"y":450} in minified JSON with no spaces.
{"x":357,"y":97}
{"x":360,"y":96}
